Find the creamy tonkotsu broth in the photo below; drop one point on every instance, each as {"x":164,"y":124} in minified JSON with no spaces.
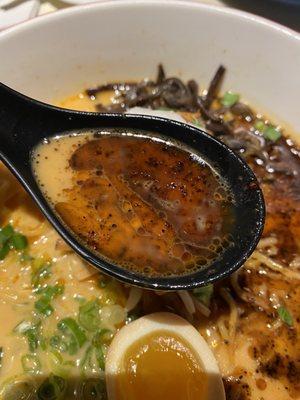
{"x":141,"y":201}
{"x":63,"y":313}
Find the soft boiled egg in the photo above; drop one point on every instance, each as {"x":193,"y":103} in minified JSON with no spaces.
{"x":161,"y":357}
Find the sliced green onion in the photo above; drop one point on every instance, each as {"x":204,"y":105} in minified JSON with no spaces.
{"x":42,"y":305}
{"x":272,"y":134}
{"x":53,"y":388}
{"x":43,"y":343}
{"x":56,"y":357}
{"x":69,"y":325}
{"x":74,"y":332}
{"x":42,"y":273}
{"x":58,"y":365}
{"x":6,"y":233}
{"x":32,"y":333}
{"x":103,"y":281}
{"x":285,"y":315}
{"x":9,"y":239}
{"x":93,"y":357}
{"x":31,"y":364}
{"x":32,"y":336}
{"x":259,"y":125}
{"x":89,"y":315}
{"x":18,"y":241}
{"x":204,"y":294}
{"x":58,"y":343}
{"x":99,"y":350}
{"x":86,"y":358}
{"x":4,"y":251}
{"x":197,"y":122}
{"x":52,"y":291}
{"x":229,"y":99}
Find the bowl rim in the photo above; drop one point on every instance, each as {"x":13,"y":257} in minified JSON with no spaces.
{"x":192,"y":4}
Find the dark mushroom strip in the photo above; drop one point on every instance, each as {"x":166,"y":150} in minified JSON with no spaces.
{"x":214,"y":86}
{"x":161,"y":76}
{"x":246,"y":143}
{"x":176,"y":94}
{"x":194,"y":89}
{"x":213,"y":122}
{"x":218,"y":127}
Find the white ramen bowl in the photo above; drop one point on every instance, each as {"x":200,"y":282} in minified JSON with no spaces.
{"x":58,"y":54}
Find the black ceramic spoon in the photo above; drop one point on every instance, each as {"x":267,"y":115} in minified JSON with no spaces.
{"x":24,"y":122}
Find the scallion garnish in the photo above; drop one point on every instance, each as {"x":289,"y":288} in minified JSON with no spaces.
{"x":31,"y":364}
{"x":229,"y":99}
{"x":18,"y":241}
{"x":259,"y":125}
{"x":31,"y":331}
{"x":89,"y":315}
{"x":204,"y":294}
{"x":99,"y":352}
{"x":43,"y":304}
{"x":74,"y":334}
{"x":197,"y":122}
{"x":6,"y":233}
{"x":58,"y":343}
{"x":41,"y":273}
{"x":103,"y":281}
{"x":285,"y":315}
{"x":58,"y":365}
{"x":9,"y":239}
{"x":93,"y":357}
{"x":4,"y":250}
{"x":271,"y":133}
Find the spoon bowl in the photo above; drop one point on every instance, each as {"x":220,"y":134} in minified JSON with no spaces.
{"x":24,"y":122}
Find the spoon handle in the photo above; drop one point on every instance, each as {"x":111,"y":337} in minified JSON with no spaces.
{"x":22,"y":122}
{"x":12,"y":112}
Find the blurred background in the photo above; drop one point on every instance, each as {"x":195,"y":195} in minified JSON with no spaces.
{"x":286,"y":12}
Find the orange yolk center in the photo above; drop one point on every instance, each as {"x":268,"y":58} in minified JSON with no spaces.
{"x":160,"y":366}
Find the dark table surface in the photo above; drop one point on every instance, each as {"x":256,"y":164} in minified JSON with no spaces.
{"x":286,"y":12}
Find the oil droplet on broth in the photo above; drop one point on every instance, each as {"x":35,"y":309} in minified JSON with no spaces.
{"x":141,"y":201}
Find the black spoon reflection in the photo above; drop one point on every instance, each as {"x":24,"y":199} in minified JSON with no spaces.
{"x":24,"y":122}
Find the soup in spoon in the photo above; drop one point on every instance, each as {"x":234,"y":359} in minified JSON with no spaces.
{"x":143,"y":202}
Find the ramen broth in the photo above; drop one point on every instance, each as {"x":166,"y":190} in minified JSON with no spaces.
{"x":142,"y":202}
{"x":250,"y":320}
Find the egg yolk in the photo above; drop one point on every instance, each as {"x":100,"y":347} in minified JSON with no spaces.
{"x":160,"y":366}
